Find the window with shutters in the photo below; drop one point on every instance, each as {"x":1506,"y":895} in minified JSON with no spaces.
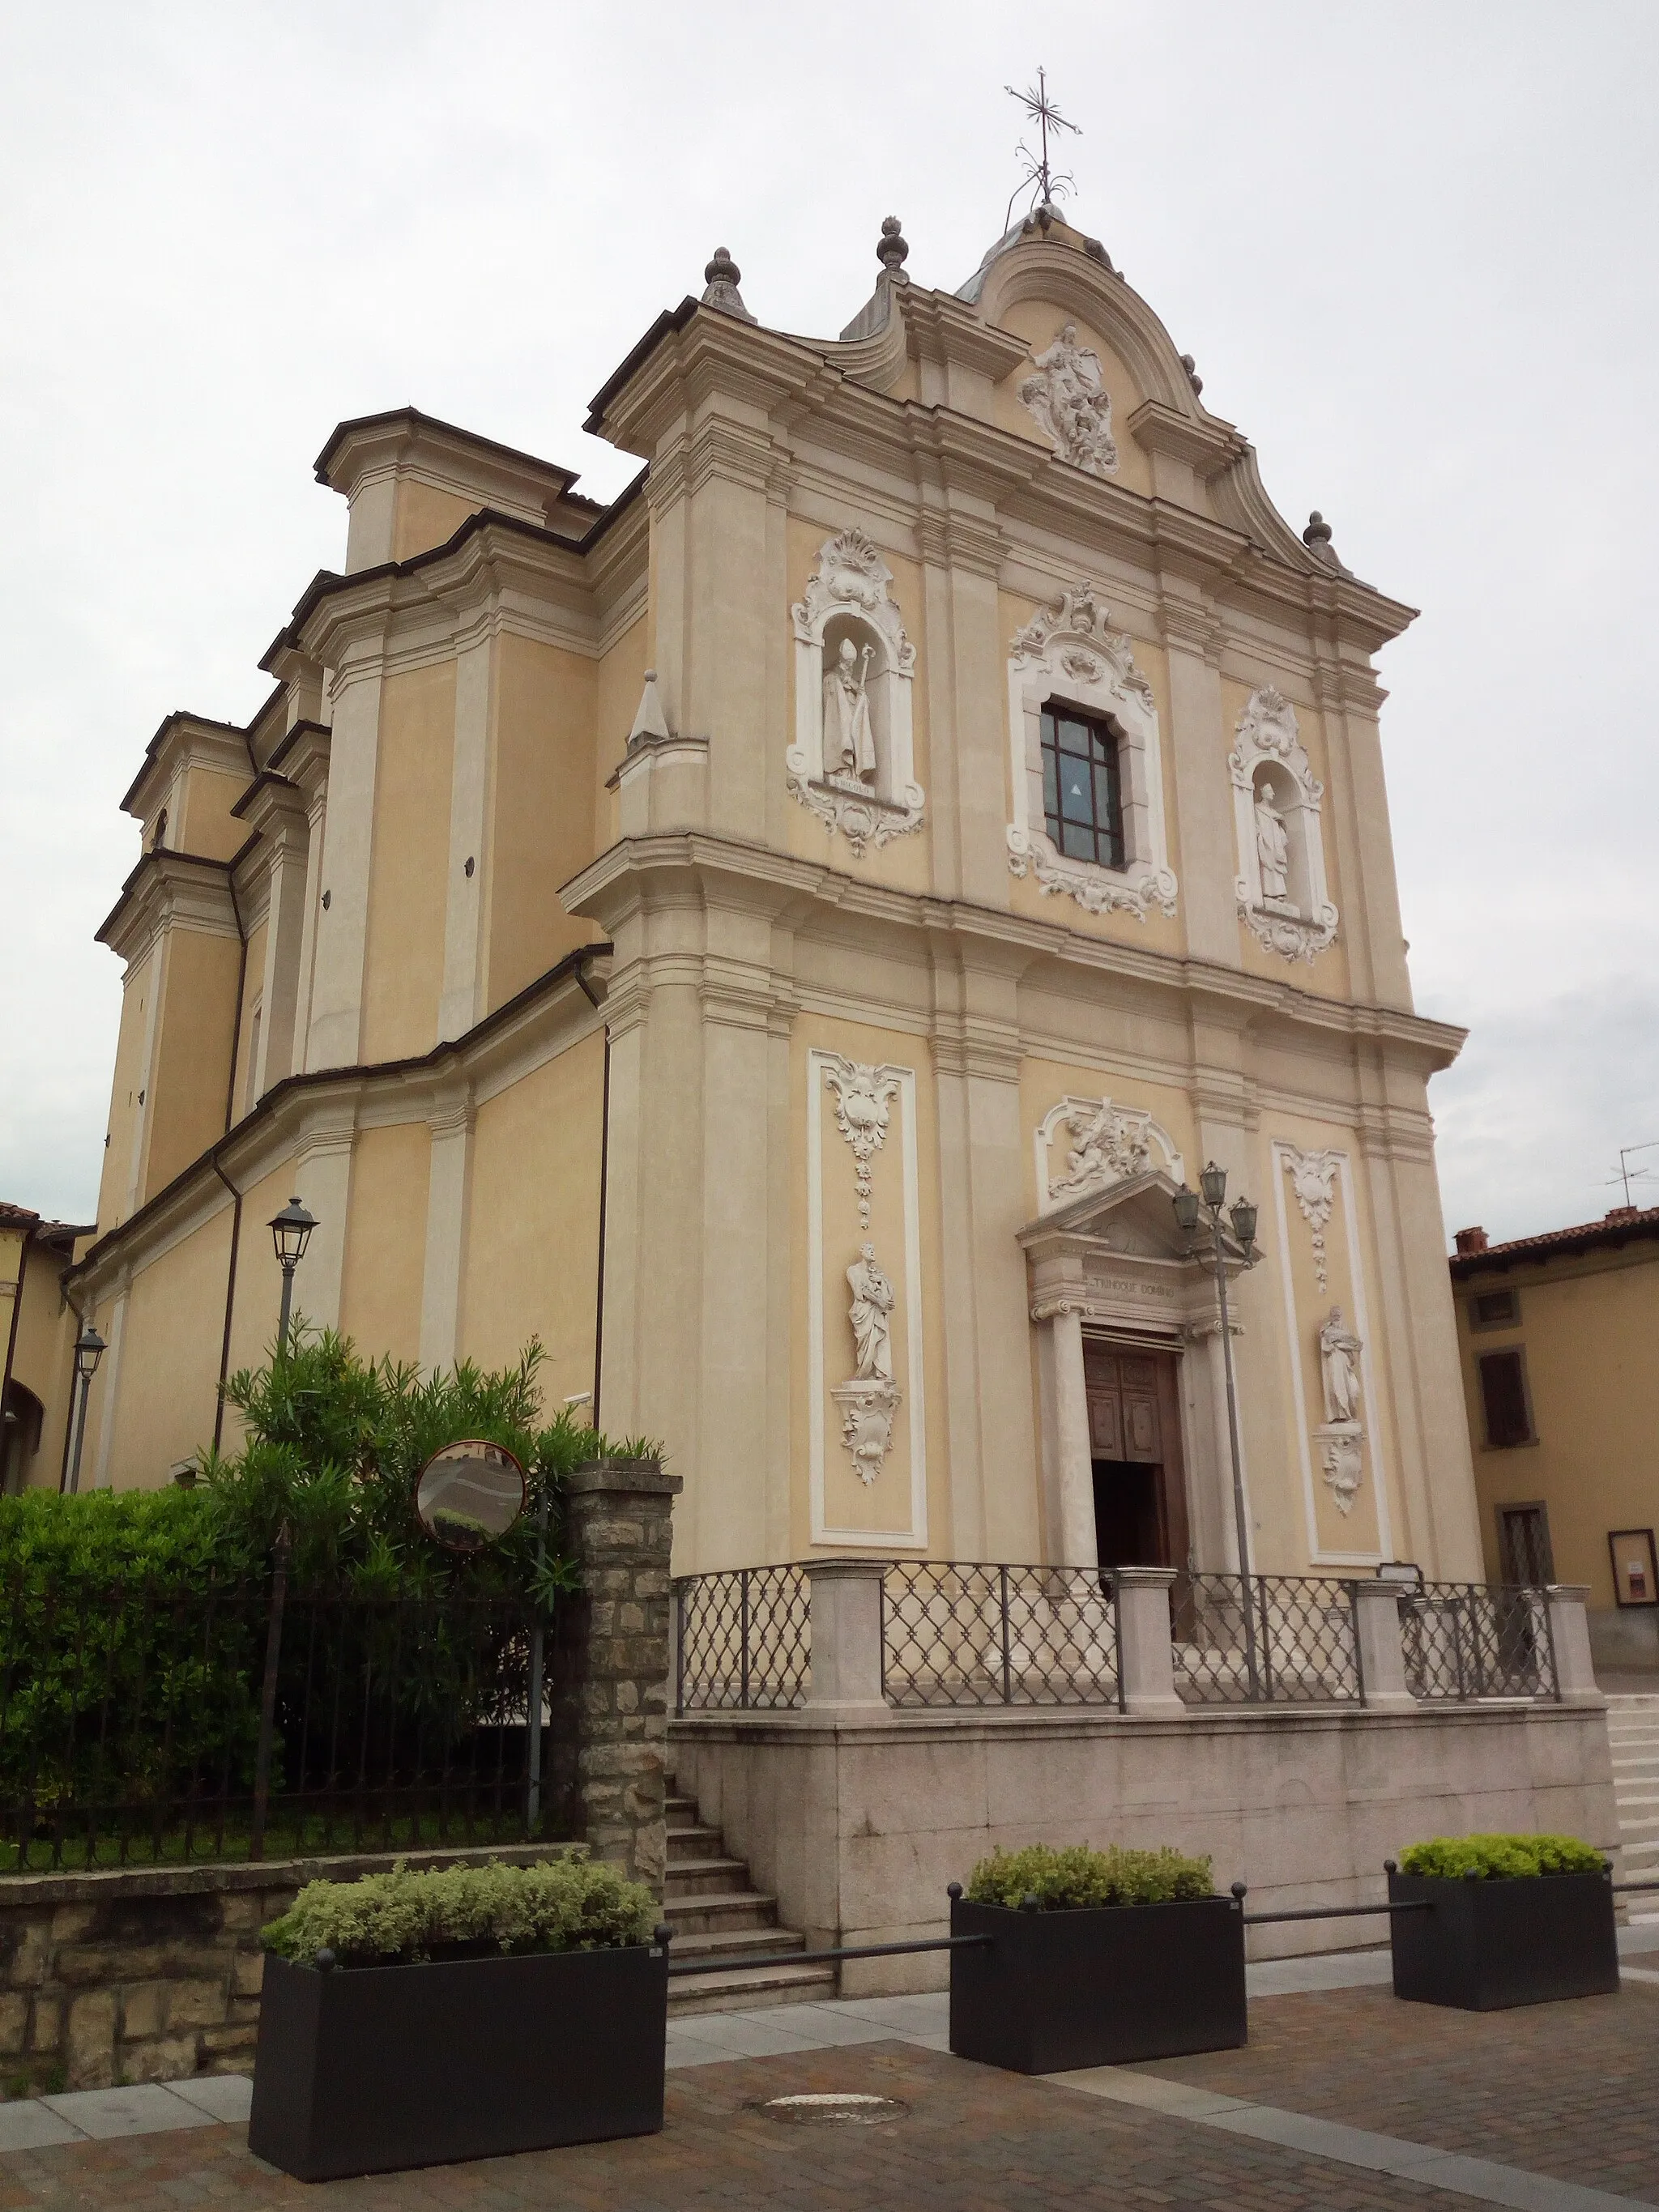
{"x":1506,"y":1400}
{"x":1082,"y":787}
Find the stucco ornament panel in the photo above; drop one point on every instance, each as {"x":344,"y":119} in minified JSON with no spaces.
{"x":869,"y":1400}
{"x":1312,"y":1177}
{"x":863,"y":1107}
{"x":1085,"y":1144}
{"x":1068,"y":400}
{"x":1069,"y":652}
{"x":853,"y":761}
{"x":1280,"y":886}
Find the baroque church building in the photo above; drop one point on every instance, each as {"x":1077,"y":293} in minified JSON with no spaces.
{"x":783,"y":938}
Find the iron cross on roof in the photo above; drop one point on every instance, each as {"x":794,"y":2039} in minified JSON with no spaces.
{"x":1043,"y":111}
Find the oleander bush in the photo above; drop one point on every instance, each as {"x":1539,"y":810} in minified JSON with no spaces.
{"x":1074,"y":1877}
{"x":1499,"y":1858}
{"x":400,"y":1918}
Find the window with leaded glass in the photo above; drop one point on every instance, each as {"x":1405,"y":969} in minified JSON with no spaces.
{"x":1081,"y":798}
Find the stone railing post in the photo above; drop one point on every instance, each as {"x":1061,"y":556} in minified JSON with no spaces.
{"x":1382,"y":1648}
{"x":1575,"y":1668}
{"x":1144,"y":1639}
{"x":846,"y":1618}
{"x":611,"y":1688}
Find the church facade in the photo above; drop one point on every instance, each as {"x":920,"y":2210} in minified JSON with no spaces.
{"x":783,"y":938}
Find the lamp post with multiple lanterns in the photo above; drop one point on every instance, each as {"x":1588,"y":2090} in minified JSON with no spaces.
{"x":1189,"y":1209}
{"x":88,"y":1351}
{"x":291,"y":1232}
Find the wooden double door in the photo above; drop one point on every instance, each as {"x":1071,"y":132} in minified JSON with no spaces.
{"x":1134,"y":1442}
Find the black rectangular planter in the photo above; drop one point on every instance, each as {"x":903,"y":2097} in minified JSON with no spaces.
{"x":1487,"y":1945}
{"x":368,"y":2069}
{"x":1101,"y":1987}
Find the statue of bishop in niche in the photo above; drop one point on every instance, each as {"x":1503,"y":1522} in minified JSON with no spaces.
{"x":1272,"y":846}
{"x":849,"y":741}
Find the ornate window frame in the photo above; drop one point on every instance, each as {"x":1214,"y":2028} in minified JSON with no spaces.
{"x":1267,"y":749}
{"x":1070,"y":655}
{"x":847,"y":595}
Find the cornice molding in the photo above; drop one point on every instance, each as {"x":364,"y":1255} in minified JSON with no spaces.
{"x":167,"y":889}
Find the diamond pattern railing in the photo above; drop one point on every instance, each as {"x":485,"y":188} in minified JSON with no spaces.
{"x":969,"y":1635}
{"x":1468,"y":1640}
{"x":1267,"y":1639}
{"x":745,"y":1641}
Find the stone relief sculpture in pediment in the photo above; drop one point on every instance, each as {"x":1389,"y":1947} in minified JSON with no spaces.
{"x":1068,"y":654}
{"x":1281,"y":885}
{"x":1087,"y":1145}
{"x":1068,"y":399}
{"x":853,"y":761}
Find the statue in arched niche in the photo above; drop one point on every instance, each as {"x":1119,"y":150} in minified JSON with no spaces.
{"x":1272,"y":845}
{"x":849,"y":740}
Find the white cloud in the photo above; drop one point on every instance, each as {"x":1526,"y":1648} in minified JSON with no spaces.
{"x":1410,"y":247}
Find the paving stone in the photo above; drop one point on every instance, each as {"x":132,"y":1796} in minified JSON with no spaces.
{"x":148,"y":2108}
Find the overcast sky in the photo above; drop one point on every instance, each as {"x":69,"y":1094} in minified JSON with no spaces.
{"x":1411,"y":246}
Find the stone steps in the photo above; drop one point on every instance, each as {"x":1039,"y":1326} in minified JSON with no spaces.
{"x":715,"y":1913}
{"x":1633,"y":1741}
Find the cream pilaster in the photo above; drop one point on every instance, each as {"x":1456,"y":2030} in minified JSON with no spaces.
{"x":341,"y":919}
{"x":1203,"y":796}
{"x":960,"y":539}
{"x":322,"y":1177}
{"x":278,"y":811}
{"x":460,"y":1003}
{"x":1350,"y":699}
{"x":451,"y":1126}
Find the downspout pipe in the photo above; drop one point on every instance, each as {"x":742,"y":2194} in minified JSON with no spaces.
{"x":605,"y":1183}
{"x":230,"y":1298}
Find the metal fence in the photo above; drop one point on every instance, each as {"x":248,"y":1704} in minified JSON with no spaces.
{"x":143,"y":1723}
{"x":1266,"y":1639}
{"x":970,"y":1635}
{"x":743,"y":1641}
{"x":1468,"y":1640}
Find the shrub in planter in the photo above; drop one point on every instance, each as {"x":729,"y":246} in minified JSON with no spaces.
{"x":1511,"y":1920}
{"x":413,"y":2018}
{"x":1095,"y":1958}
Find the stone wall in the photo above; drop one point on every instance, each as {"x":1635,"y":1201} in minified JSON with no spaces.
{"x":153,"y":1973}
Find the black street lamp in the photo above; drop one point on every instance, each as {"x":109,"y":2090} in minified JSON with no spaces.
{"x":291,"y":1232}
{"x":88,"y":1351}
{"x":1188,"y":1213}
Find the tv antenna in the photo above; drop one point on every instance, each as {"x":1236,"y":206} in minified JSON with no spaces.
{"x":1627,"y":1175}
{"x":1040,"y":176}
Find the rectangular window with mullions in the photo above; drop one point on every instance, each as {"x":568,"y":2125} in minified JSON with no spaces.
{"x":1082,"y":798}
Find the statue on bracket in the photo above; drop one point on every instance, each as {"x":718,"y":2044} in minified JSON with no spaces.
{"x":868,"y":1403}
{"x":853,"y":761}
{"x":1341,"y":1436}
{"x":1281,"y":885}
{"x":1068,"y":399}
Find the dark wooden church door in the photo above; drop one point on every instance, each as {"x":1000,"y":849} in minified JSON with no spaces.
{"x":1134,"y":1439}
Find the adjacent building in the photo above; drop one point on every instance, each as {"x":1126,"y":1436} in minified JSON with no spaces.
{"x":1557,"y":1335}
{"x":37,"y":1348}
{"x":783,"y":938}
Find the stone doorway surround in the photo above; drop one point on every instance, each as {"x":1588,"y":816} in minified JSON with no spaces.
{"x":1114,"y":1263}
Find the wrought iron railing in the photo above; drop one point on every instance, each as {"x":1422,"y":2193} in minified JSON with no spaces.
{"x":960,"y":1635}
{"x":1464,"y":1641}
{"x":1266,"y":1639}
{"x":743,"y":1641}
{"x":143,"y":1721}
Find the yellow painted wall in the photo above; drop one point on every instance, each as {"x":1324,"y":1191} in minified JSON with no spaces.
{"x":1588,"y":1329}
{"x":43,"y":1360}
{"x":904,"y":862}
{"x":385,"y":1241}
{"x":190,"y":1078}
{"x":168,"y":1372}
{"x":1157,"y":933}
{"x":541,"y":811}
{"x":425,"y":517}
{"x":532,"y":1266}
{"x":409,"y":870}
{"x":1039,"y":325}
{"x":203,"y":822}
{"x":141,"y":980}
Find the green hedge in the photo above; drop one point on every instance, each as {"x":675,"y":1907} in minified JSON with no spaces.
{"x":1499,"y":1858}
{"x":1076,"y":1877}
{"x":397,"y":1918}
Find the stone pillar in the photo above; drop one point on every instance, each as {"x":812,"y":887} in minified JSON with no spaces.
{"x":1080,"y":1547}
{"x":609,"y":1676}
{"x":1147,"y":1656}
{"x":1575,"y":1670}
{"x":1382,"y":1653}
{"x":846,"y":1629}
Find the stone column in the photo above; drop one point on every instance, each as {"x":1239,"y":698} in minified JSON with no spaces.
{"x":609,"y":1694}
{"x":1147,"y":1656}
{"x":1575,"y":1670}
{"x":1080,"y":1547}
{"x":846,"y":1628}
{"x":1382,"y":1653}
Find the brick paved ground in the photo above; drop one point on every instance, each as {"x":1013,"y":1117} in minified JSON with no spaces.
{"x":1569,"y":2090}
{"x":974,"y":2141}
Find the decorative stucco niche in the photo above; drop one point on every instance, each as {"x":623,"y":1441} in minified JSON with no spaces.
{"x":1281,"y":885}
{"x":852,"y":762}
{"x":1069,"y":655}
{"x":1087,"y":1145}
